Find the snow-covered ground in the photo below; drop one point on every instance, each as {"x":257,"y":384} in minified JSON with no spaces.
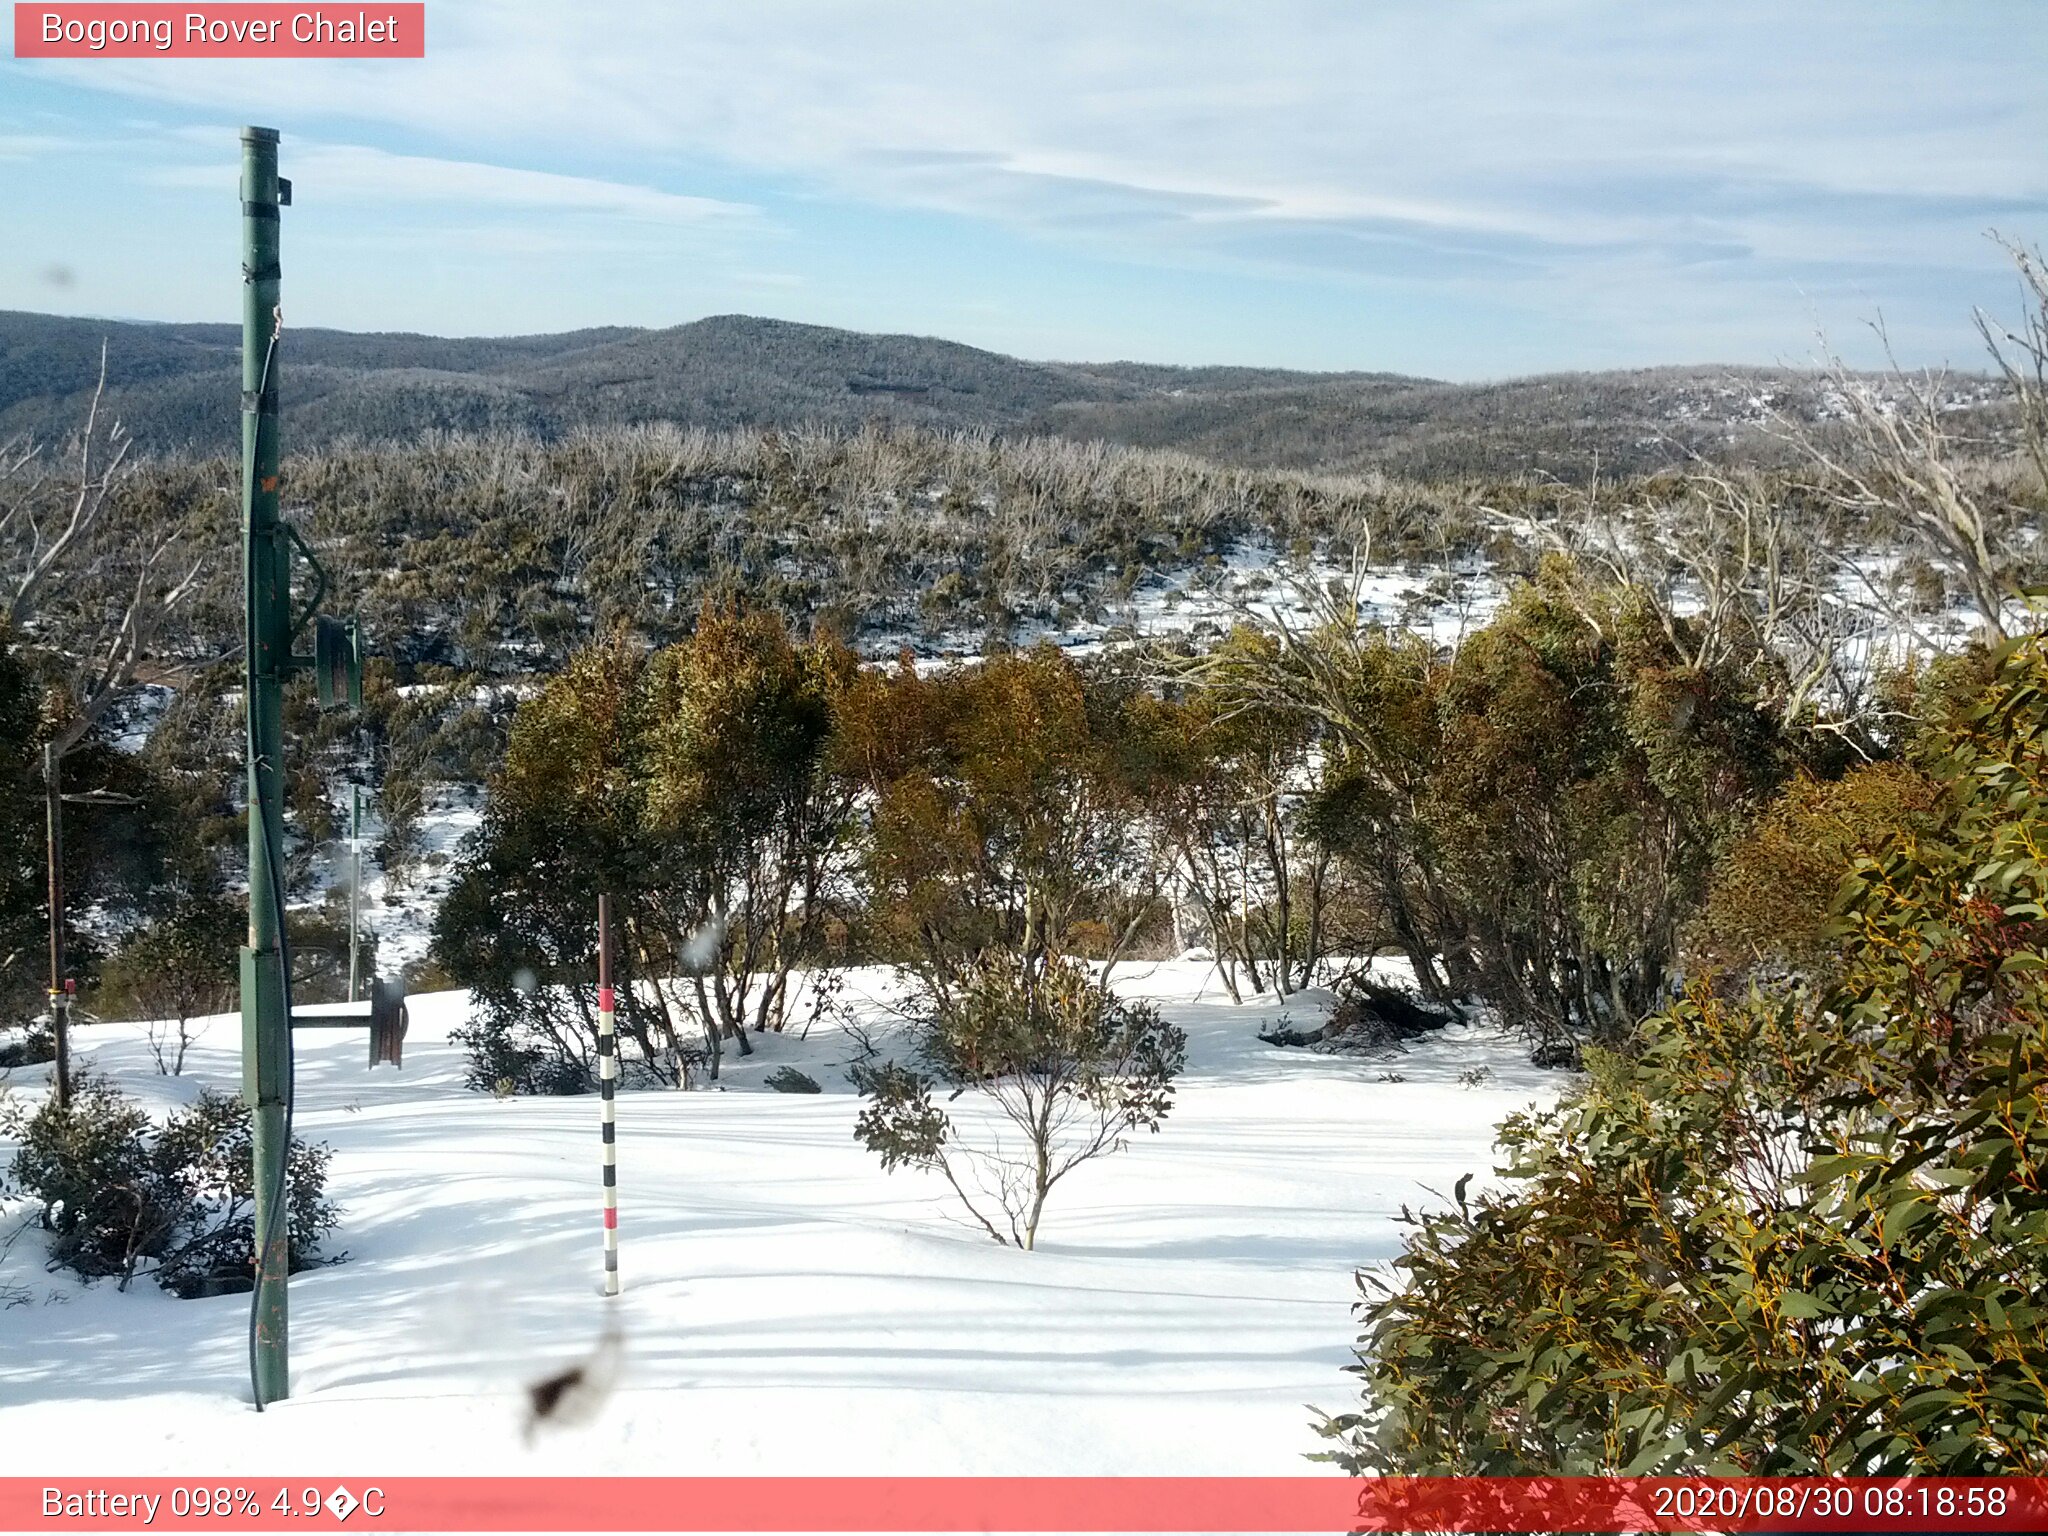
{"x":1254,"y":582}
{"x":788,"y":1307}
{"x":399,"y":911}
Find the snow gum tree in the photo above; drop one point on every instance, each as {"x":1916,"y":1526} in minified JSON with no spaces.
{"x":1588,"y":779}
{"x":1535,"y":813}
{"x":519,"y":924}
{"x":1802,"y":1230}
{"x":1224,"y":774}
{"x":1000,"y":821}
{"x":745,"y":822}
{"x":693,"y":786}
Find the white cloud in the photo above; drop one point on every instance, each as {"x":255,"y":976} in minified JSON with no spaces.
{"x":30,"y":146}
{"x":350,"y":172}
{"x":1448,"y":118}
{"x":1589,"y":156}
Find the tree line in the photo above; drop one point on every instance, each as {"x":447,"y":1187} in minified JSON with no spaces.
{"x":481,"y":564}
{"x":1537,"y":820}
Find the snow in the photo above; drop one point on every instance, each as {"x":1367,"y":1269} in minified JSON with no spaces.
{"x":399,"y":909}
{"x":1254,"y":581}
{"x":136,"y":717}
{"x":788,"y":1307}
{"x":1440,"y":602}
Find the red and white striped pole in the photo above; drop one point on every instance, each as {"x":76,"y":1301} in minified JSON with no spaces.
{"x":607,"y":1082}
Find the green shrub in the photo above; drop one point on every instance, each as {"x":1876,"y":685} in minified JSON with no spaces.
{"x":121,"y":1196}
{"x":179,"y":966}
{"x":1801,"y":1233}
{"x":1071,"y":1068}
{"x":32,"y":1046}
{"x":504,"y":1057}
{"x":1768,"y":905}
{"x":789,"y":1080}
{"x":692,"y":786}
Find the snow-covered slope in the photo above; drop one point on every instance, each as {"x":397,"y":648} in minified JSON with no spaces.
{"x":788,"y":1307}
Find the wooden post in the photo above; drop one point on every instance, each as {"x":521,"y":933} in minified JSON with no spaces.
{"x":60,"y":1000}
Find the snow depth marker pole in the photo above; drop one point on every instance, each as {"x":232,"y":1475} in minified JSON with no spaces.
{"x":607,"y":1079}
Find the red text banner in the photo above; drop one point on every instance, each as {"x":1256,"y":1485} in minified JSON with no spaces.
{"x":231,"y":31}
{"x":1050,"y":1504}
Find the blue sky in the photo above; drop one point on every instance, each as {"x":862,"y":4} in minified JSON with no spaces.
{"x":1467,"y":190}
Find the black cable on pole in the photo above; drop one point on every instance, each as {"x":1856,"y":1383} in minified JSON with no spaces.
{"x":273,"y":836}
{"x":276,"y":1203}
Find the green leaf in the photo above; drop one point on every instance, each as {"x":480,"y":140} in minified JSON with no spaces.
{"x":1952,"y":1178}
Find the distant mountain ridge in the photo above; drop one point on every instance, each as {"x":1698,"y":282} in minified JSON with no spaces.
{"x":177,"y":388}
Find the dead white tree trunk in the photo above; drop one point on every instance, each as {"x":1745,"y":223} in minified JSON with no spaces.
{"x":116,"y":586}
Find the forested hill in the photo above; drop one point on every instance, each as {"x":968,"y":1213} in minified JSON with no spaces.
{"x":176,"y":388}
{"x":176,"y":385}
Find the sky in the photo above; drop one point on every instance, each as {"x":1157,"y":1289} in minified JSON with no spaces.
{"x":1463,"y":190}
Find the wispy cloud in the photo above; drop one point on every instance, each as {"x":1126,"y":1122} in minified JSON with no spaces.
{"x":33,"y":146}
{"x":1454,"y":119}
{"x":355,"y":173}
{"x":1603,"y":159}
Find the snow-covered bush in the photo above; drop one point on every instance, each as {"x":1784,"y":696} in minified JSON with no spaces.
{"x":120,"y":1195}
{"x":1061,"y":1060}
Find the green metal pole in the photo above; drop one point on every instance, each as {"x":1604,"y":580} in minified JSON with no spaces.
{"x":267,"y":580}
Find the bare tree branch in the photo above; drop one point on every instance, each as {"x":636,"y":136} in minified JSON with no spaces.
{"x":95,"y":484}
{"x":95,"y":592}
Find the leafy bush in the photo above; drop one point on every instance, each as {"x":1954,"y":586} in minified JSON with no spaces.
{"x":691,"y":785}
{"x":1768,"y":906}
{"x":1793,"y":1233}
{"x":179,"y":966}
{"x":1000,"y":815}
{"x":31,"y":1047}
{"x":1066,"y":1063}
{"x":1585,"y":731}
{"x":121,"y":1196}
{"x":789,"y":1080}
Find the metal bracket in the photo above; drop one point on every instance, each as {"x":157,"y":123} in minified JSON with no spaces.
{"x":305,"y":615}
{"x":384,"y":1013}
